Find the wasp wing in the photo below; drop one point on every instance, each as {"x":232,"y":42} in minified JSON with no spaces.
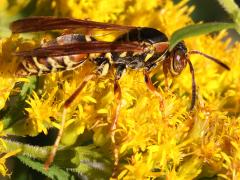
{"x":44,"y":23}
{"x":82,"y":48}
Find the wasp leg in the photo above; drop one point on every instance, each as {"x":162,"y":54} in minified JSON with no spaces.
{"x":165,"y":71}
{"x":118,"y":95}
{"x":101,"y":70}
{"x":194,"y":93}
{"x":152,"y":89}
{"x":66,"y":105}
{"x":150,"y":65}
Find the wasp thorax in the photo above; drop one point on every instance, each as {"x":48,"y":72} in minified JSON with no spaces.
{"x":178,"y":57}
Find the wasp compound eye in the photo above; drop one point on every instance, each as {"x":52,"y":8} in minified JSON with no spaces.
{"x":178,"y":62}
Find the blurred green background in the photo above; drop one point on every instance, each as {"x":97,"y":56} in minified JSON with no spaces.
{"x":211,"y":11}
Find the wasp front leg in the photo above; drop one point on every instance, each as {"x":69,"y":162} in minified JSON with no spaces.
{"x":165,"y":71}
{"x":152,"y":89}
{"x":118,"y":96}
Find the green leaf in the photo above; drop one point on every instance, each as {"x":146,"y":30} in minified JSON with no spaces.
{"x":197,"y":29}
{"x":28,"y":87}
{"x":88,"y":161}
{"x":232,"y":9}
{"x":54,"y":172}
{"x":230,"y":6}
{"x":31,"y":151}
{"x":17,"y":104}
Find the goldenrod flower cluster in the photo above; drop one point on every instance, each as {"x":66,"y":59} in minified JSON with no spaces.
{"x":177,"y":144}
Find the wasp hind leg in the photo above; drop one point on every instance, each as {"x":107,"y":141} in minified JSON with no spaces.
{"x":101,"y":70}
{"x":66,"y":105}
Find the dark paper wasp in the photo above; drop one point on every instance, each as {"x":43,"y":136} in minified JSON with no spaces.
{"x":137,"y":48}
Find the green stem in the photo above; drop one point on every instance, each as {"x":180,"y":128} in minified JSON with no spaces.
{"x":36,"y":152}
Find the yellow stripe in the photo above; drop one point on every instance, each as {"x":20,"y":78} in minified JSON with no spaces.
{"x":69,"y":63}
{"x":28,"y":68}
{"x":149,"y":55}
{"x":124,"y":54}
{"x":109,"y":57}
{"x":88,"y":38}
{"x":40,"y":66}
{"x":105,"y":69}
{"x":54,"y":64}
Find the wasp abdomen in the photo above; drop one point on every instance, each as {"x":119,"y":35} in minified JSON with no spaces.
{"x":44,"y":65}
{"x":39,"y":66}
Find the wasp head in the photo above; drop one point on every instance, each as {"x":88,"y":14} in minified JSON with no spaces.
{"x":178,"y":58}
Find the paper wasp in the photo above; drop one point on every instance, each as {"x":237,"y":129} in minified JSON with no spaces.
{"x":137,"y":48}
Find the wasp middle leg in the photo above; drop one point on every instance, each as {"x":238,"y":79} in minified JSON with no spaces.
{"x":152,"y":89}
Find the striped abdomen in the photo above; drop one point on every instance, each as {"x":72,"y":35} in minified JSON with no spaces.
{"x":44,"y":65}
{"x":39,"y":66}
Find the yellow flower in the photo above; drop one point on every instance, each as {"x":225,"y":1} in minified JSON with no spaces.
{"x":174,"y":144}
{"x":9,"y":12}
{"x":3,"y":158}
{"x":41,"y":112}
{"x":9,"y":63}
{"x":106,"y":12}
{"x":2,"y":144}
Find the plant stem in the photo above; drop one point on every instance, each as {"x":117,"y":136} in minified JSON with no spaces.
{"x":36,"y":152}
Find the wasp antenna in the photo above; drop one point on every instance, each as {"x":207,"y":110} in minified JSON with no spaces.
{"x":194,"y":93}
{"x":211,"y":58}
